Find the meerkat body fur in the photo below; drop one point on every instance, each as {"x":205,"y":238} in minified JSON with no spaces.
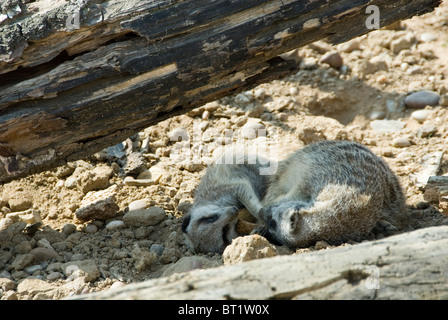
{"x":332,"y":191}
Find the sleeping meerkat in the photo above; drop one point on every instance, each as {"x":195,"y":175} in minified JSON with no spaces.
{"x":211,"y":223}
{"x":332,"y":191}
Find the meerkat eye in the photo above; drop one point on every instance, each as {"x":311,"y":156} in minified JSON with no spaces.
{"x":209,"y":219}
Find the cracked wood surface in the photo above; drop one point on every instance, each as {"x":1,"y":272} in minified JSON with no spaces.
{"x":406,"y":266}
{"x":66,"y":94}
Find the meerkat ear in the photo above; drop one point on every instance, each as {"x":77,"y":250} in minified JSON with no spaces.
{"x":294,"y":219}
{"x":185,"y":223}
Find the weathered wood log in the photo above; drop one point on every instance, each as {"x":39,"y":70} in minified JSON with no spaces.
{"x":407,"y":266}
{"x":70,"y":89}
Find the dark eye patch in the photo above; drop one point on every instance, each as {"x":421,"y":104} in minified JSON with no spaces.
{"x":209,"y":219}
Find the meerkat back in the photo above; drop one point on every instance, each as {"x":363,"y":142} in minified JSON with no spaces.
{"x":333,"y":191}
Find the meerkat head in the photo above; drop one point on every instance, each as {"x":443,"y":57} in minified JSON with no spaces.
{"x":210,"y":228}
{"x":283,"y":221}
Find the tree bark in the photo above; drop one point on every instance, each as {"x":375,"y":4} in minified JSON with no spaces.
{"x":68,"y":90}
{"x":407,"y":266}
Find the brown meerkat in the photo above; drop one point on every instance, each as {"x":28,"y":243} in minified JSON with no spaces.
{"x":332,"y":191}
{"x":225,"y":189}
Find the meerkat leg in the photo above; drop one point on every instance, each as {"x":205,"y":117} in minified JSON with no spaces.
{"x":248,"y":198}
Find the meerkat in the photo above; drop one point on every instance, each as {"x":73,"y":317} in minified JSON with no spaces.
{"x":225,"y":189}
{"x":332,"y":191}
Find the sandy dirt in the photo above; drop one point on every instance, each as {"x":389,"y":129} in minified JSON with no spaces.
{"x":352,"y":102}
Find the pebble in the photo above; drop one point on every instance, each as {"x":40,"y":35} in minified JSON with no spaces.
{"x":248,"y":248}
{"x":139,"y":204}
{"x":402,"y":43}
{"x":91,"y":228}
{"x":426,"y":131}
{"x":178,"y":134}
{"x":252,"y":130}
{"x":421,"y":115}
{"x":377,"y":115}
{"x":21,"y":261}
{"x":333,"y":59}
{"x":29,"y":216}
{"x":421,"y":99}
{"x":144,"y":217}
{"x":52,"y":276}
{"x":387,"y":125}
{"x":400,"y":142}
{"x":98,"y":205}
{"x":32,"y":269}
{"x":116,"y":224}
{"x":427,"y":37}
{"x":86,"y":268}
{"x":20,"y":202}
{"x":259,"y":93}
{"x":349,"y":46}
{"x":130,"y":181}
{"x":157,"y":249}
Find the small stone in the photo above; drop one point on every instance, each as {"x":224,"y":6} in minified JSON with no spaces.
{"x":22,"y":261}
{"x":144,"y":217}
{"x":144,"y":175}
{"x":428,"y":37}
{"x":400,"y":142}
{"x":20,"y":202}
{"x":32,"y":269}
{"x":139,"y":204}
{"x":68,"y":229}
{"x":36,"y":287}
{"x":95,"y":179}
{"x":259,"y":93}
{"x":192,"y":166}
{"x":248,"y":248}
{"x":84,"y":268}
{"x":421,"y":99}
{"x":205,"y":115}
{"x":98,"y":205}
{"x":178,"y":134}
{"x":253,"y":129}
{"x":421,"y":115}
{"x":387,"y":125}
{"x":5,"y":223}
{"x":157,"y":249}
{"x":391,"y":106}
{"x":377,"y":115}
{"x":402,"y":43}
{"x":29,"y":216}
{"x":113,"y":225}
{"x":130,"y":181}
{"x":321,"y":245}
{"x":52,"y":276}
{"x":7,"y":284}
{"x":333,"y":59}
{"x":426,"y":131}
{"x":91,"y":228}
{"x":293,"y":91}
{"x":349,"y":46}
{"x":143,"y":258}
{"x":42,"y":254}
{"x":135,"y":163}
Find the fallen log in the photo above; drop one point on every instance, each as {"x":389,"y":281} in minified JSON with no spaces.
{"x":407,"y":266}
{"x":79,"y":76}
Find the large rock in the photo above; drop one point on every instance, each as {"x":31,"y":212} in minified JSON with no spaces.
{"x":407,"y":266}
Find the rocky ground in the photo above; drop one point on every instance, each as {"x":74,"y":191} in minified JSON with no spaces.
{"x":115,"y":217}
